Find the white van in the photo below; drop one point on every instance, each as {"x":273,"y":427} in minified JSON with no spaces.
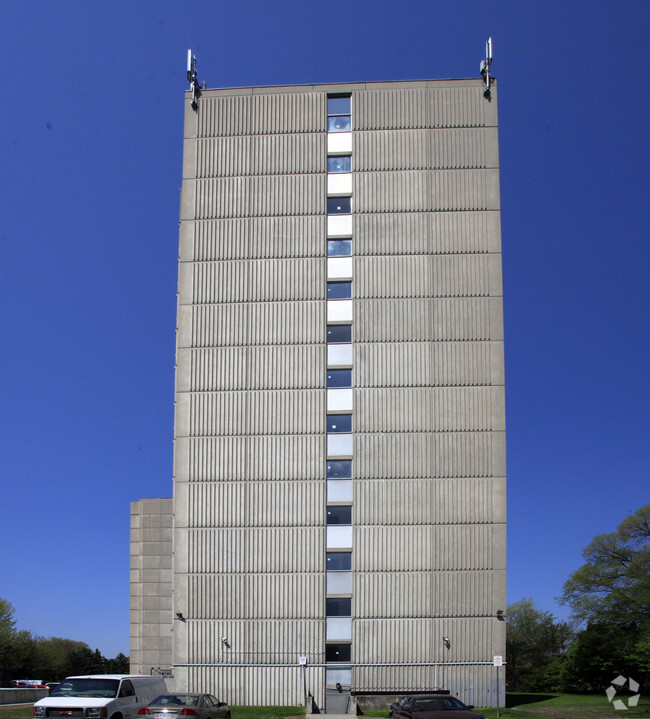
{"x":100,"y":696}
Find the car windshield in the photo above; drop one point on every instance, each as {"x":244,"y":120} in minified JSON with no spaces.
{"x":437,"y":704}
{"x":87,"y":688}
{"x":453,"y":703}
{"x":185,"y":700}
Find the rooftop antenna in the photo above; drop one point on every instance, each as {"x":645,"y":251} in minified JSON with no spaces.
{"x":485,"y":68}
{"x":193,"y":79}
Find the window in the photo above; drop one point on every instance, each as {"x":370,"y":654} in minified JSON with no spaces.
{"x":339,"y":124}
{"x":127,"y":690}
{"x":339,"y":205}
{"x":340,"y":514}
{"x":339,"y":423}
{"x":339,"y":378}
{"x":339,"y":163}
{"x":339,"y":334}
{"x":339,"y":248}
{"x":338,"y":652}
{"x":339,"y":561}
{"x":339,"y":290}
{"x":339,"y":469}
{"x":338,"y":105}
{"x":338,"y":607}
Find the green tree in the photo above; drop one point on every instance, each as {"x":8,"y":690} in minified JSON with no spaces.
{"x":7,"y":635}
{"x":614,"y":582}
{"x":535,"y":643}
{"x":610,"y":596}
{"x":85,"y":661}
{"x":54,"y":657}
{"x":22,"y":655}
{"x":119,"y":665}
{"x":599,"y":654}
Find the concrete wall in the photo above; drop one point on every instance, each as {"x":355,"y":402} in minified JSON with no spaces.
{"x":428,"y":505}
{"x":151,"y":585}
{"x":22,"y":695}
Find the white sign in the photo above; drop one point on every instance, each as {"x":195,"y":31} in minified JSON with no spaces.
{"x":302,"y":660}
{"x":498,"y":661}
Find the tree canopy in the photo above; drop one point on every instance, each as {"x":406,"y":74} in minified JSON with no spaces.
{"x":50,"y":658}
{"x":609,"y":596}
{"x":614,"y":582}
{"x":535,"y":644}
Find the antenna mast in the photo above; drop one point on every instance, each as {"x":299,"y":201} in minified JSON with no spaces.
{"x":193,"y":79}
{"x":485,"y":68}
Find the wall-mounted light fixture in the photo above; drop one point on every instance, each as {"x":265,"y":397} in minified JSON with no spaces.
{"x":446,"y":642}
{"x":180,"y":617}
{"x":224,"y":641}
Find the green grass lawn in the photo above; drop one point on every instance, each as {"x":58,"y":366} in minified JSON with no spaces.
{"x":16,"y":712}
{"x":556,"y":706}
{"x":242,"y":712}
{"x":564,"y":706}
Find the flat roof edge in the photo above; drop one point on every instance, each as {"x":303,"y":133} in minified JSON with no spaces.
{"x":340,"y":86}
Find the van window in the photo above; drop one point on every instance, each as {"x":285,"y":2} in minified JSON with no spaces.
{"x":127,"y":689}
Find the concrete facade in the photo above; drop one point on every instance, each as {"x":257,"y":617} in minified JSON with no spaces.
{"x":151,"y":586}
{"x":339,"y":460}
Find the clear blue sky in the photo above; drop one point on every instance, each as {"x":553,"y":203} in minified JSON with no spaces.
{"x":91,"y":128}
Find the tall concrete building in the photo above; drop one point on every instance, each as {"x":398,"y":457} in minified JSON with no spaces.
{"x":338,"y":514}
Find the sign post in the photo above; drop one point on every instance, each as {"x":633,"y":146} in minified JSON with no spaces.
{"x":498,"y":662}
{"x":302,"y":661}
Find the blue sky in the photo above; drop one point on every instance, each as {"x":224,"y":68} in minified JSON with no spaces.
{"x":91,"y":128}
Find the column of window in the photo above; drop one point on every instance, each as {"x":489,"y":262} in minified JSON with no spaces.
{"x":338,"y":602}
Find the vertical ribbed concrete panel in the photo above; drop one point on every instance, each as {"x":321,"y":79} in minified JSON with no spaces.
{"x":429,"y":499}
{"x":248,"y":503}
{"x":395,"y":594}
{"x":417,"y":276}
{"x":256,"y":281}
{"x":255,"y":641}
{"x":470,"y":683}
{"x":426,"y":190}
{"x":420,"y":233}
{"x":423,"y":149}
{"x":258,"y":686}
{"x":250,"y":399}
{"x":242,"y":113}
{"x":260,"y":155}
{"x":228,"y":368}
{"x":438,"y":320}
{"x":254,"y":238}
{"x":243,"y":324}
{"x":420,"y":640}
{"x":427,"y":393}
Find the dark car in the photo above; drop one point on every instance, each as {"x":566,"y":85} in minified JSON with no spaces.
{"x":171,"y":706}
{"x":432,"y":707}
